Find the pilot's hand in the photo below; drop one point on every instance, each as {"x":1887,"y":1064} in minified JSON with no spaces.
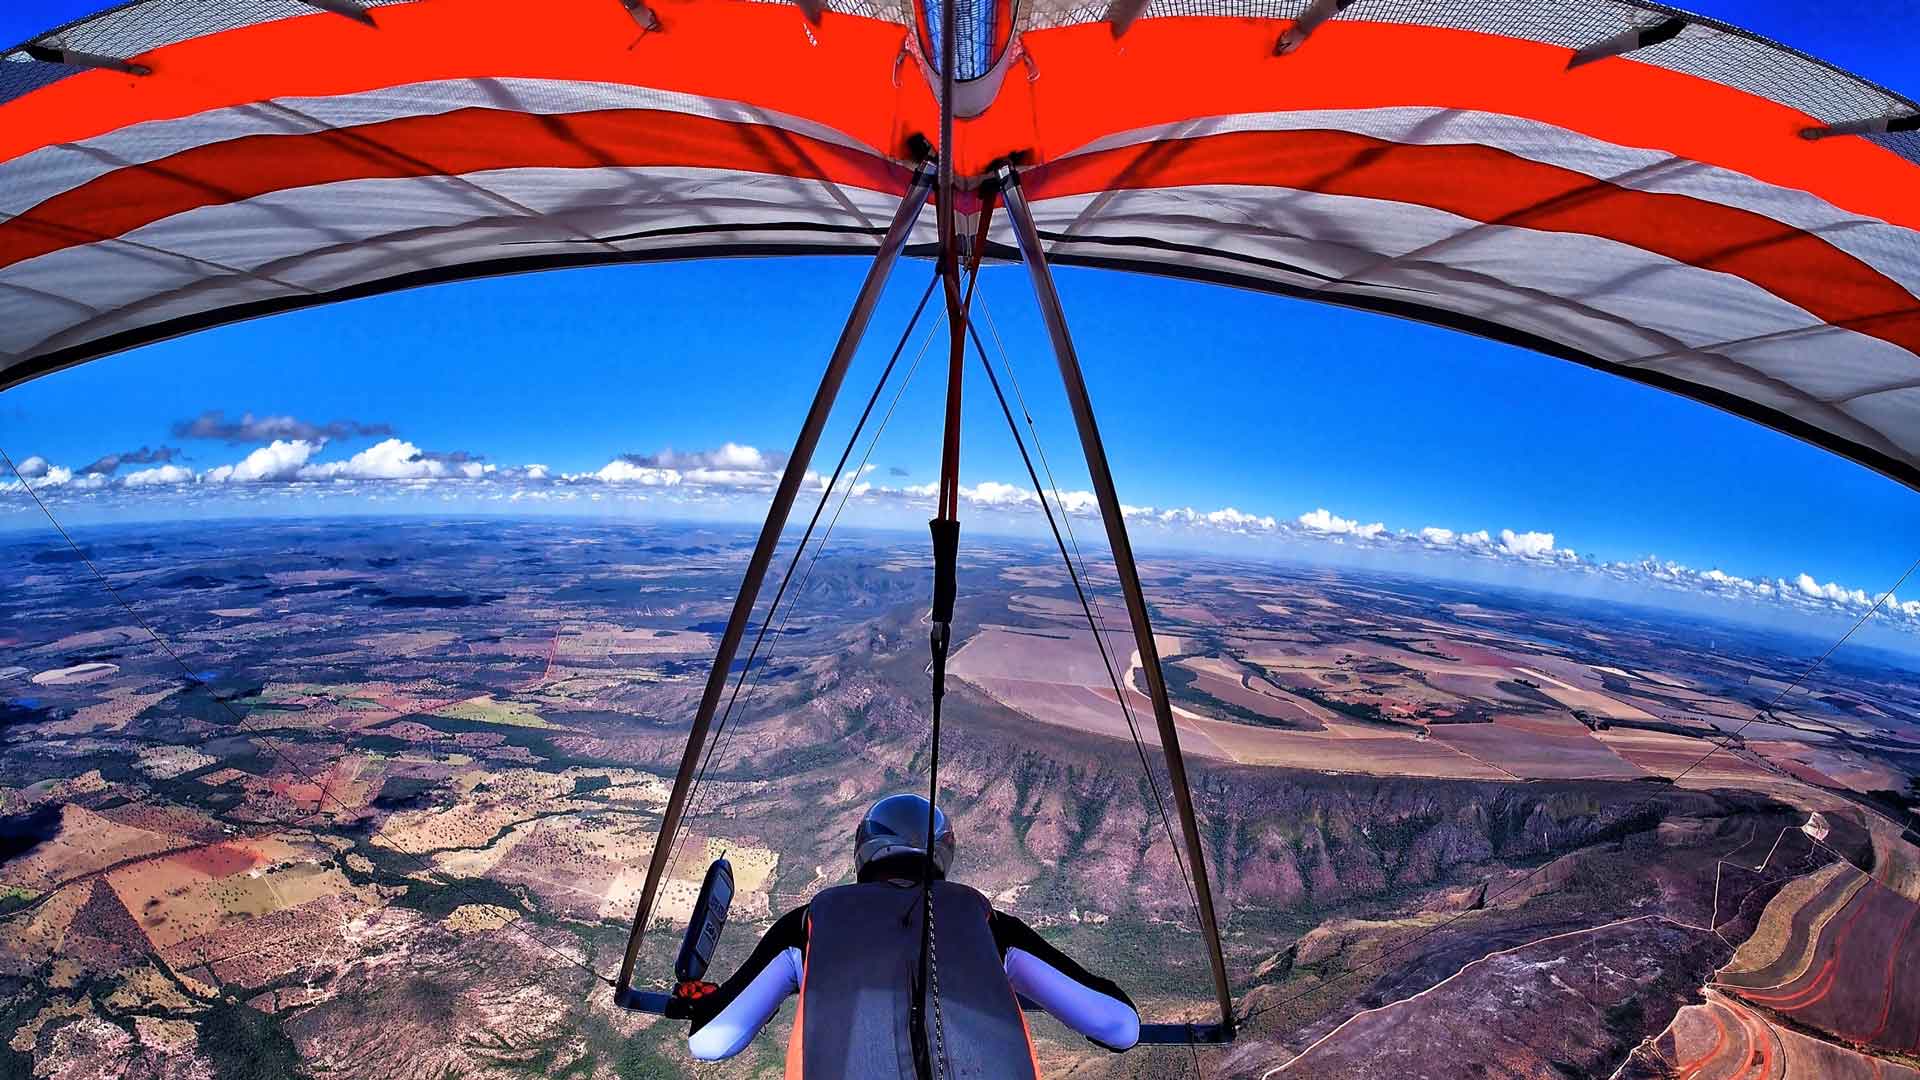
{"x":680,"y":1006}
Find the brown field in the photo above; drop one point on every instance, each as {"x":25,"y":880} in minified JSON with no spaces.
{"x":1065,"y":656}
{"x":407,"y":643}
{"x":1241,"y":686}
{"x":107,"y":637}
{"x":1478,"y":684}
{"x":1861,"y":980}
{"x":1723,"y":1040}
{"x":121,"y":705}
{"x":1480,"y":655}
{"x":1508,"y":1015}
{"x":1789,"y":924}
{"x":1095,"y":711}
{"x":1522,"y":747}
{"x":1589,"y":701}
{"x":1046,"y":607}
{"x":1056,"y":676}
{"x":30,"y":940}
{"x":1666,"y":754}
{"x":196,"y":892}
{"x":1348,"y":750}
{"x":86,"y":842}
{"x":569,"y":880}
{"x":1830,"y":766}
{"x":601,"y":641}
{"x":187,"y":823}
{"x":255,"y":951}
{"x":1192,"y":614}
{"x":1896,"y":863}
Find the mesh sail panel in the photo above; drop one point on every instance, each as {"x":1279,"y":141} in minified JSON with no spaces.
{"x":131,"y":29}
{"x":1707,"y":49}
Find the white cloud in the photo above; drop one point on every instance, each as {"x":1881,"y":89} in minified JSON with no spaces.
{"x":730,"y":456}
{"x":1832,"y":593}
{"x":994,"y":494}
{"x":157,"y":476}
{"x":732,"y":467}
{"x":1321,"y":521}
{"x":278,"y":460}
{"x":1527,"y":545}
{"x":734,"y":456}
{"x":731,"y":478}
{"x":622,"y":471}
{"x":1804,"y":593}
{"x":73,"y":481}
{"x":1437,"y":536}
{"x":1083,"y":502}
{"x":1234,"y":520}
{"x":41,"y":474}
{"x":394,"y":459}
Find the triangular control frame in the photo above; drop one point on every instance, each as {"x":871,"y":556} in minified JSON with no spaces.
{"x":1033,"y":255}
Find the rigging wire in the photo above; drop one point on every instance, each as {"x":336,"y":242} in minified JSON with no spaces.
{"x":240,"y":720}
{"x":1644,"y":804}
{"x":826,"y":495}
{"x":846,"y":493}
{"x":1099,"y":614}
{"x":1098,"y":631}
{"x":723,"y":732}
{"x":1099,"y":637}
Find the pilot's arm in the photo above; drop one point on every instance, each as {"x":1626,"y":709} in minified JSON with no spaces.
{"x":724,"y":1022}
{"x":1093,"y":1006}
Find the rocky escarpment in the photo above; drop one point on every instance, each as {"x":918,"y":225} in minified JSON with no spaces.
{"x":1060,"y":823}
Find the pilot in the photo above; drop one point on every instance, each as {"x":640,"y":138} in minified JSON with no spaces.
{"x":854,"y":955}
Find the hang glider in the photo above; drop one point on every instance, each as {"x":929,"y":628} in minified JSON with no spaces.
{"x":1613,"y":183}
{"x":1609,"y":182}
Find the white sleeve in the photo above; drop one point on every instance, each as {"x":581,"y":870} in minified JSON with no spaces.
{"x":1106,"y":1020}
{"x":734,"y":1027}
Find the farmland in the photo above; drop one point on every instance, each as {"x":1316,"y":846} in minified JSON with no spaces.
{"x":390,"y":813}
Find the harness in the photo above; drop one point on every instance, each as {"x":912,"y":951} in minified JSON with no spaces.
{"x":857,"y":1018}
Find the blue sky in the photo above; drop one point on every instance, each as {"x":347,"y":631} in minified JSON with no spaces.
{"x":1273,"y":407}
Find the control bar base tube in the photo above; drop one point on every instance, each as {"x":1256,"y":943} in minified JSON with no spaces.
{"x":1035,"y":258}
{"x":796,"y":469}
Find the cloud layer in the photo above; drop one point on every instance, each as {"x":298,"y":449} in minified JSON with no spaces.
{"x":739,"y":477}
